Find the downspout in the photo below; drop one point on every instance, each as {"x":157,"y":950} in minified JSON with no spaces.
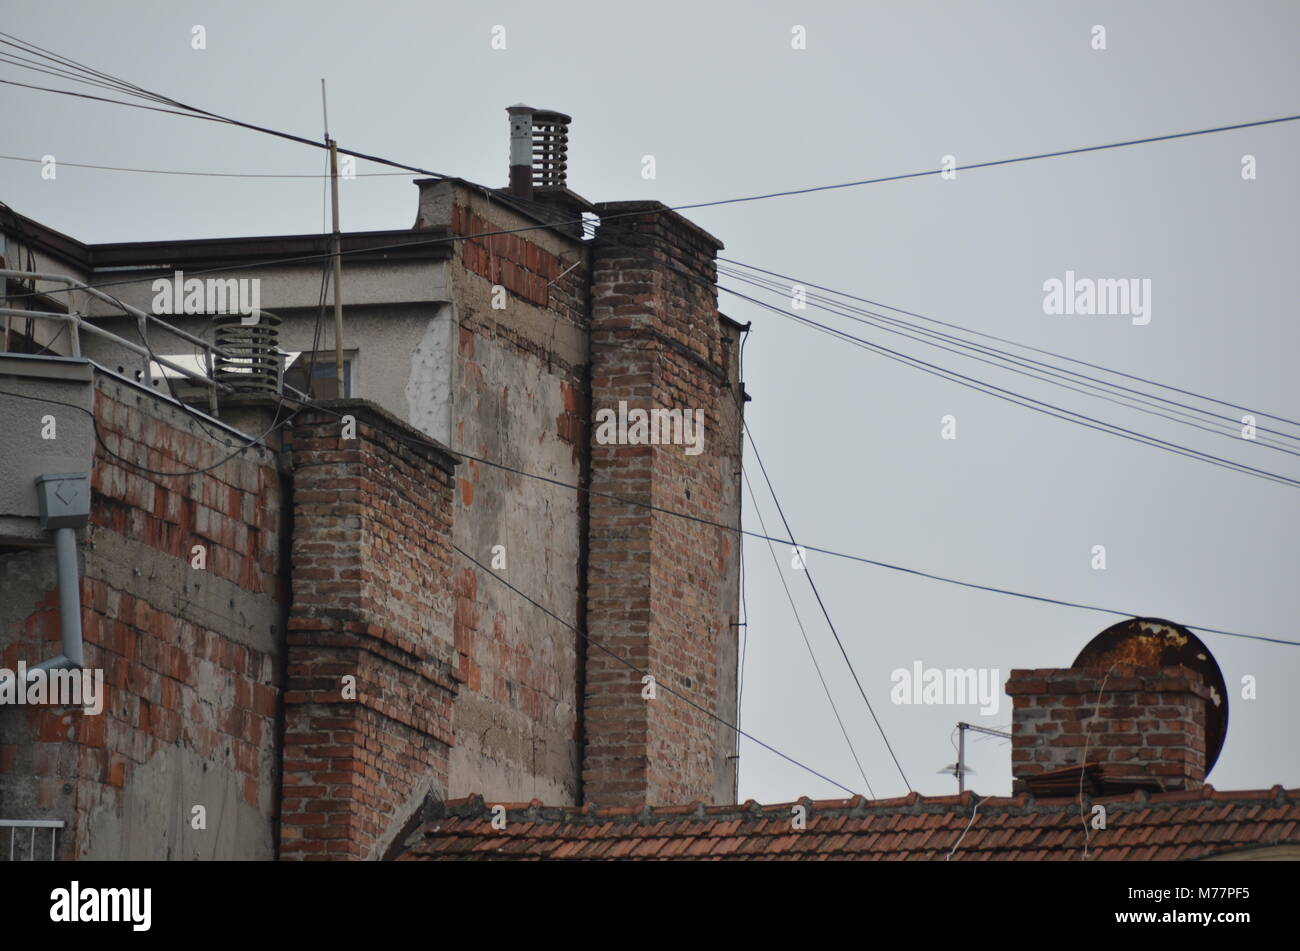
{"x":65,"y":507}
{"x":65,"y":552}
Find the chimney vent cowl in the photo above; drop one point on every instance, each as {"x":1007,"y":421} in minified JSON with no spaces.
{"x":539,"y":149}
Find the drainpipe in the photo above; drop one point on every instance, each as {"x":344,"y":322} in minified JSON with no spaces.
{"x":65,"y":507}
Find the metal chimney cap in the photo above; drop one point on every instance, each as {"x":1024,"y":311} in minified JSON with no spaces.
{"x":541,"y":115}
{"x":549,"y":115}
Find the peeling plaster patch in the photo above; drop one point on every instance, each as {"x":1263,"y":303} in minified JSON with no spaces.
{"x":428,"y":388}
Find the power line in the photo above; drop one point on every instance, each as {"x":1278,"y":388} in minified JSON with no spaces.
{"x":86,"y":72}
{"x":1059,"y":153}
{"x":192,"y":111}
{"x":1007,"y":161}
{"x":24,"y":63}
{"x":167,"y":171}
{"x":82,"y":95}
{"x":1097,"y":388}
{"x":821,"y":604}
{"x":808,"y":643}
{"x":1016,"y":398}
{"x":631,"y":666}
{"x":1050,"y":353}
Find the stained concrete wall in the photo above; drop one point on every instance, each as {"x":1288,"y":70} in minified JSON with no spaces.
{"x":519,"y":376}
{"x":190,"y":657}
{"x":150,"y":817}
{"x":40,"y":397}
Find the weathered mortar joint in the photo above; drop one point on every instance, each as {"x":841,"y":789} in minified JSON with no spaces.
{"x":390,"y":637}
{"x":1139,"y":727}
{"x":637,"y":556}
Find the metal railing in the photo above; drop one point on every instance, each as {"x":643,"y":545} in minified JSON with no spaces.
{"x":13,"y":825}
{"x":77,"y":323}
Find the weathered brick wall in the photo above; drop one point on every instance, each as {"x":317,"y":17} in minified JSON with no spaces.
{"x":519,"y":398}
{"x":371,"y":557}
{"x":188,"y":655}
{"x":511,"y":260}
{"x":661,"y":590}
{"x":1148,"y":723}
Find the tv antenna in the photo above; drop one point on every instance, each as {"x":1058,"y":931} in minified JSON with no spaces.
{"x":959,"y":768}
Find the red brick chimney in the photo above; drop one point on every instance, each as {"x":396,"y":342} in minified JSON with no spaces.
{"x":662,"y":590}
{"x":1133,"y":727}
{"x":369,"y":691}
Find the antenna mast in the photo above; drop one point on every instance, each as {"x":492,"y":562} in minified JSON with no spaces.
{"x":337,"y":246}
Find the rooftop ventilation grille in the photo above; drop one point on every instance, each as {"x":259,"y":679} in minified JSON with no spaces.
{"x":550,"y":149}
{"x":252,"y":364}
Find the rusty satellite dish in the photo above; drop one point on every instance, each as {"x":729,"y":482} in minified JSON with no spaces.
{"x":1153,"y":642}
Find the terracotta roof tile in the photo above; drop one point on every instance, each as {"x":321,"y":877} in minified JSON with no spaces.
{"x":1140,"y":827}
{"x":647,"y":848}
{"x":599,"y":848}
{"x":726,"y":846}
{"x":698,"y":847}
{"x":674,"y":847}
{"x":567,"y":849}
{"x":836,"y":842}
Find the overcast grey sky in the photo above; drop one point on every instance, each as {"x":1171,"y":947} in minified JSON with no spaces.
{"x":852,"y":441}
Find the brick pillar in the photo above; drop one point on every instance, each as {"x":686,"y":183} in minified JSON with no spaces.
{"x":371,"y":600}
{"x":1147,"y":729}
{"x":661,"y":590}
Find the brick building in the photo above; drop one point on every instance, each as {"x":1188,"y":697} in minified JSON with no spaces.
{"x":377,"y":622}
{"x":313,"y":616}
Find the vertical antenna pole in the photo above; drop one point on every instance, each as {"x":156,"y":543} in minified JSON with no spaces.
{"x":337,"y":248}
{"x":961,"y":758}
{"x":338,"y":270}
{"x":4,"y":286}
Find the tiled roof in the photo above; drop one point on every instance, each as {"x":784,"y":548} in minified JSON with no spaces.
{"x":1139,"y":827}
